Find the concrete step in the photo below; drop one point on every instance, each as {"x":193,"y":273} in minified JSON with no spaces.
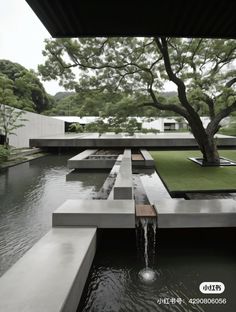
{"x":50,"y":277}
{"x":99,"y":213}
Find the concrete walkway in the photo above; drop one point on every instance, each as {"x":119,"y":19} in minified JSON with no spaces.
{"x":50,"y":277}
{"x":100,"y":213}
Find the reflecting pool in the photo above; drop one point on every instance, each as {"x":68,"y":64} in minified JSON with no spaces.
{"x":29,"y":193}
{"x":185,"y":259}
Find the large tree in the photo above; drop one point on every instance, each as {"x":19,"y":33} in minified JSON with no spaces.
{"x":27,"y":88}
{"x":10,"y":118}
{"x":202,"y":71}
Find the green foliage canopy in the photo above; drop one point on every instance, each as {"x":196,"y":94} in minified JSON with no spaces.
{"x":202,"y":70}
{"x":206,"y":67}
{"x":28,"y":91}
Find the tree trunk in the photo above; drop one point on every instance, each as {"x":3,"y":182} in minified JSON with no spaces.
{"x":6,"y":140}
{"x":209,"y":150}
{"x":7,"y":143}
{"x":206,"y":143}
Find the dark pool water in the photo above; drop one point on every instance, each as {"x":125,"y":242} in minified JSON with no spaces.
{"x":29,"y":193}
{"x":183,"y":262}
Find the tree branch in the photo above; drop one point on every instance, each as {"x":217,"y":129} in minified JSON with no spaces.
{"x":192,"y":64}
{"x":210,"y":103}
{"x":228,"y":58}
{"x":77,"y":63}
{"x":230,"y":83}
{"x":162,"y":45}
{"x":170,"y":107}
{"x":213,"y":126}
{"x":124,"y":75}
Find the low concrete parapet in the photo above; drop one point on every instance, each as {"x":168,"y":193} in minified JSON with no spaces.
{"x":99,"y":213}
{"x":177,"y":213}
{"x":51,"y":276}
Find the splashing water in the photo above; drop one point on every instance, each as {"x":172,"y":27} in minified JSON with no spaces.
{"x":154,"y":228}
{"x":148,"y":228}
{"x":144,"y":223}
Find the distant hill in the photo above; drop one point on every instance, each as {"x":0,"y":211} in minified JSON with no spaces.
{"x":169,"y":93}
{"x":61,"y":95}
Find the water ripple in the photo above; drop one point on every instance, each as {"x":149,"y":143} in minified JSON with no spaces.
{"x":29,"y":193}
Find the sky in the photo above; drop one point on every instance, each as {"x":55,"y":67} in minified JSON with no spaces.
{"x":22,"y":38}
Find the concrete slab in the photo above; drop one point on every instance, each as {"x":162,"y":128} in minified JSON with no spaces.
{"x":106,"y":191}
{"x":86,"y":160}
{"x":79,"y":161}
{"x":99,"y":213}
{"x":148,"y":160}
{"x":123,"y":188}
{"x":83,"y":155}
{"x":177,"y":213}
{"x":92,"y":164}
{"x":50,"y":277}
{"x":153,"y":186}
{"x":93,"y":140}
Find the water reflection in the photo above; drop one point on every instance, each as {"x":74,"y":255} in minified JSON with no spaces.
{"x":29,"y":193}
{"x":114,"y":285}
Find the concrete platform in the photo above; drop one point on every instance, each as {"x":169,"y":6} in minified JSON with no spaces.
{"x":153,"y":186}
{"x":93,"y":140}
{"x":86,"y":160}
{"x":106,"y":191}
{"x":148,"y":160}
{"x":50,"y":277}
{"x":79,"y":161}
{"x":99,"y":213}
{"x":178,"y":213}
{"x":123,"y":187}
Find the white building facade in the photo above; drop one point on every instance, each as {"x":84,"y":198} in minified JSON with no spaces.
{"x":162,"y":124}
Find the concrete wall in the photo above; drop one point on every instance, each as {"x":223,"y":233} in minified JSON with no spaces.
{"x":36,"y":126}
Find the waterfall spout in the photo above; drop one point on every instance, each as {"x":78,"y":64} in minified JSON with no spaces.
{"x":147,"y":229}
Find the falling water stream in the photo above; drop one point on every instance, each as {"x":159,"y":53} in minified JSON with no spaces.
{"x":147,"y":237}
{"x":144,"y":223}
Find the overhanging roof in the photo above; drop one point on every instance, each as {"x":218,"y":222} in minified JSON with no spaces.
{"x":101,"y":18}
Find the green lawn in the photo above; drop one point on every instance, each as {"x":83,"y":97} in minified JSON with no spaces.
{"x":181,"y":174}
